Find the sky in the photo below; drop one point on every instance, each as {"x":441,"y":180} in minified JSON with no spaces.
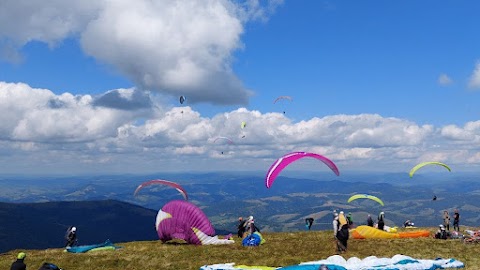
{"x":93,"y":86}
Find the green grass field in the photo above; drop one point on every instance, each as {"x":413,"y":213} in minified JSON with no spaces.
{"x":281,"y":249}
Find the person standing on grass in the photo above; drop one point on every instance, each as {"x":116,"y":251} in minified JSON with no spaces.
{"x":343,"y":233}
{"x":71,"y":237}
{"x":336,"y":228}
{"x":369,"y":220}
{"x":456,"y":220}
{"x":446,"y":220}
{"x":241,"y":227}
{"x":381,"y":221}
{"x":308,"y":223}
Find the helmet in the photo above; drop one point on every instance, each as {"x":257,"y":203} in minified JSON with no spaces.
{"x":21,"y":255}
{"x":74,"y":229}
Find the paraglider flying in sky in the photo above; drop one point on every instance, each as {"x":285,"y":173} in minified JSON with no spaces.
{"x":242,"y":126}
{"x":162,"y":182}
{"x":421,"y":165}
{"x":287,"y":159}
{"x":365,"y":196}
{"x":283,"y":98}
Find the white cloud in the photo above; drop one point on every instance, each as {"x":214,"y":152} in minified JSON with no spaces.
{"x":444,"y":80}
{"x":455,"y":133}
{"x":174,"y":47}
{"x":50,"y":131}
{"x":474,"y":81}
{"x":38,"y":115}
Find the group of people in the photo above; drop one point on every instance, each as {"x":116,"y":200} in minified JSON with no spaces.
{"x":19,"y":264}
{"x":443,"y":231}
{"x":380,"y":221}
{"x":456,"y":220}
{"x":246,"y":226}
{"x":71,"y":240}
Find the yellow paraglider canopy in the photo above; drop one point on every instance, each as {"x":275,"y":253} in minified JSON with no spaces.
{"x":365,"y":196}
{"x":418,"y":166}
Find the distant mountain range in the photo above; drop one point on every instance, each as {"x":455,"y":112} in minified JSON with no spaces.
{"x":95,"y":200}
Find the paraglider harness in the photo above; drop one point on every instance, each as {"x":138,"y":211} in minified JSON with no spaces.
{"x":408,"y":223}
{"x":49,"y":266}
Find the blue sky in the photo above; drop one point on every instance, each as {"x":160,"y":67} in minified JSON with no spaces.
{"x":390,"y":83}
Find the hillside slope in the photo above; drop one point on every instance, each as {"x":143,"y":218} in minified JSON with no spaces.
{"x":281,"y":249}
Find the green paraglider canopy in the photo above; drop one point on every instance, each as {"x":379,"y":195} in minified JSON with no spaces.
{"x":418,"y":166}
{"x":365,"y":196}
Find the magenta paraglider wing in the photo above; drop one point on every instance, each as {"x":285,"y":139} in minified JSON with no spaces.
{"x":162,"y":182}
{"x":182,"y":218}
{"x":284,"y":161}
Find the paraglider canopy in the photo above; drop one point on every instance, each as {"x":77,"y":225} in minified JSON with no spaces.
{"x":162,"y":182}
{"x":282,"y":98}
{"x":182,"y":99}
{"x":287,"y":159}
{"x":223,"y":139}
{"x":418,"y":166}
{"x":365,"y":196}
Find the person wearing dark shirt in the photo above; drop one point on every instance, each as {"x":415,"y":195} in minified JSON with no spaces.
{"x":370,"y":221}
{"x":456,"y":220}
{"x":241,"y":227}
{"x":381,"y":221}
{"x":19,"y":264}
{"x":71,"y":237}
{"x":309,"y":222}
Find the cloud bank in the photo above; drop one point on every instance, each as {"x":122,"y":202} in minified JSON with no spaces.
{"x":124,"y":130}
{"x":173,"y":47}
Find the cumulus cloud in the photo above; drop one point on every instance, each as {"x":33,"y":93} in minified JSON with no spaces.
{"x":38,"y":115}
{"x":174,"y":47}
{"x":474,"y":81}
{"x":444,"y":80}
{"x":81,"y":132}
{"x":469,"y":133}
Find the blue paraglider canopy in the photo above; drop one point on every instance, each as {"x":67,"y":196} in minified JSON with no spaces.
{"x":251,"y":240}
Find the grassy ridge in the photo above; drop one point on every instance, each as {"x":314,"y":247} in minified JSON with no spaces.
{"x":281,"y":249}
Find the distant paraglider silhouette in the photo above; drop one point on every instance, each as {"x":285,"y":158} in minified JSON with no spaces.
{"x":434,"y":198}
